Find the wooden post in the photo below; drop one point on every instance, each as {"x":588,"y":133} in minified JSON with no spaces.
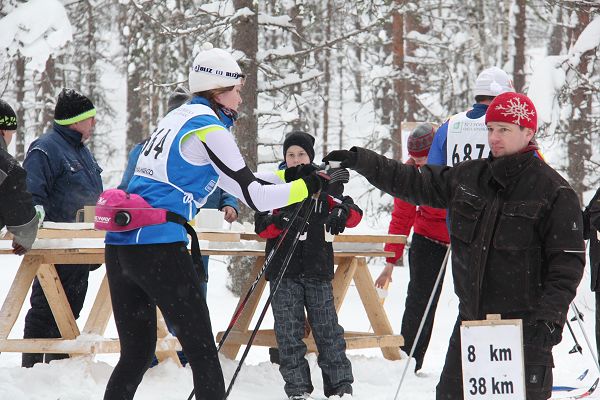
{"x":375,"y":311}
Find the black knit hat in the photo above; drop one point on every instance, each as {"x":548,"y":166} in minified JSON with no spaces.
{"x":72,"y":107}
{"x":302,"y":139}
{"x":8,"y":118}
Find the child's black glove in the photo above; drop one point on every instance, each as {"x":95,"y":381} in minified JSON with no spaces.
{"x":316,"y":181}
{"x":299,"y":171}
{"x":336,"y":222}
{"x":281,"y":220}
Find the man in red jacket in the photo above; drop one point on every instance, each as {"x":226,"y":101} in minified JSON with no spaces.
{"x":425,"y":256}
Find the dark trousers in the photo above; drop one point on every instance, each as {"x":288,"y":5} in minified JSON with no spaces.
{"x":425,"y":259}
{"x":39,"y":321}
{"x":141,"y":277}
{"x":293,"y":295}
{"x":538,"y":368}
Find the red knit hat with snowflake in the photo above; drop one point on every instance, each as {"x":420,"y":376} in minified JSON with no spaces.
{"x":515,"y":108}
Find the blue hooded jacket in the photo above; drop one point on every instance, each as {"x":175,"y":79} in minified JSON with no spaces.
{"x":62,"y":174}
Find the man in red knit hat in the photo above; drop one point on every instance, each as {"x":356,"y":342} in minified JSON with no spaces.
{"x":426,"y":254}
{"x":516,"y":232}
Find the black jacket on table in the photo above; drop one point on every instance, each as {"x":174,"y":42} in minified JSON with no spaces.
{"x":515,"y":228}
{"x":16,"y":206}
{"x":313,"y":257}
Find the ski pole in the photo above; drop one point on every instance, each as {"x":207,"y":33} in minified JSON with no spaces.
{"x":577,"y":347}
{"x":431,"y":296}
{"x":284,"y":266}
{"x":242,"y":305}
{"x":587,"y":340}
{"x":240,"y":308}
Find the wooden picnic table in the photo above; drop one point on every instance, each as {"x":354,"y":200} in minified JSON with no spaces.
{"x":86,"y":246}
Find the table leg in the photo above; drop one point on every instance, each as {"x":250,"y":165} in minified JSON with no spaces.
{"x":341,"y":280}
{"x":230,"y":350}
{"x":17,"y":294}
{"x":375,"y":311}
{"x":101,"y":311}
{"x":57,"y":299}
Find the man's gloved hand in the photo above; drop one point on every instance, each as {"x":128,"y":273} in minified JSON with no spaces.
{"x":299,"y":171}
{"x":41,"y":214}
{"x":316,"y":181}
{"x":546,"y":334}
{"x":347,"y":158}
{"x":23,"y":236}
{"x":336,"y":222}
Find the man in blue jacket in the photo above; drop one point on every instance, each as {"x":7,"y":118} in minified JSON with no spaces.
{"x":63,"y":177}
{"x":464,"y":135}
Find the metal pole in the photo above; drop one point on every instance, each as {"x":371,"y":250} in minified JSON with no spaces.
{"x":431,"y":296}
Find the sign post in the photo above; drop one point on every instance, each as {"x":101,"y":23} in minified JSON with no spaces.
{"x":492,"y":359}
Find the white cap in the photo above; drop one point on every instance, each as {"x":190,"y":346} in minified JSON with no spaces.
{"x":213,"y":69}
{"x":492,"y":82}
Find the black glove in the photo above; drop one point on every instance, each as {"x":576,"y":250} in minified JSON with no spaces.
{"x":299,"y":171}
{"x":347,"y":158}
{"x":316,"y":181}
{"x":546,"y":334}
{"x":321,"y":210}
{"x":281,"y":220}
{"x":336,"y":222}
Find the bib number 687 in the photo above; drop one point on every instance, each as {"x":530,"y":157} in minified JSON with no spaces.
{"x":467,"y":153}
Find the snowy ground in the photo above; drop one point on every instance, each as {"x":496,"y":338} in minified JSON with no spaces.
{"x":375,"y":377}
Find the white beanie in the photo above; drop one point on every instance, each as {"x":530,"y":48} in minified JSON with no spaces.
{"x":213,"y":69}
{"x":492,"y":82}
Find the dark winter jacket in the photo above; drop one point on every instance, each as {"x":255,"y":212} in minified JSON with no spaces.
{"x":313,"y":257}
{"x":16,"y":207}
{"x":62,"y":174}
{"x":591,"y":220}
{"x":515,"y":229}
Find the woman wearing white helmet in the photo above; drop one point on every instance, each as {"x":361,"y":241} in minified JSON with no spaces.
{"x":188,"y":155}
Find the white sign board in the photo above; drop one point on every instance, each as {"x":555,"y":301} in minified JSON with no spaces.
{"x":492,"y":360}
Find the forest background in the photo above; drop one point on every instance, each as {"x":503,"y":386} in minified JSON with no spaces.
{"x":336,"y":69}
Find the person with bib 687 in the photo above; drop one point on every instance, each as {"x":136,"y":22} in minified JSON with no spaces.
{"x":190,"y":153}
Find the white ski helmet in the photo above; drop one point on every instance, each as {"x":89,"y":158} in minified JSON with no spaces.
{"x":213,"y":69}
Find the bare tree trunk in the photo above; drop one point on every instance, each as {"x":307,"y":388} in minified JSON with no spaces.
{"x":245,"y":39}
{"x":399,"y":83}
{"x":555,"y":44}
{"x":413,"y":90}
{"x":91,"y":61}
{"x":505,"y":31}
{"x":580,"y":127}
{"x":135,"y":131}
{"x":327,"y":78}
{"x":47,"y":94}
{"x":297,"y":19}
{"x":20,"y":94}
{"x":519,"y":40}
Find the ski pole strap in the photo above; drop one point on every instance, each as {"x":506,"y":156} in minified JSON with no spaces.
{"x":196,"y":254}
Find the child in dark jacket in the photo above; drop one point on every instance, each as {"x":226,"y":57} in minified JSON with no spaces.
{"x":306,"y":283}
